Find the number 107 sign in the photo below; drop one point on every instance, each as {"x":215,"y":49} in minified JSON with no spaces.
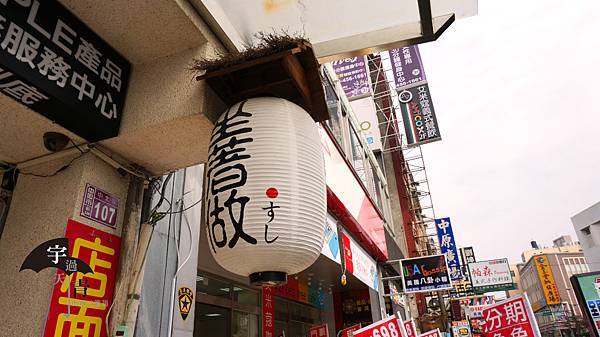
{"x":100,"y":206}
{"x":389,"y":327}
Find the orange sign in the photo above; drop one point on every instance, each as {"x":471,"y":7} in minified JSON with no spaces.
{"x":547,"y":279}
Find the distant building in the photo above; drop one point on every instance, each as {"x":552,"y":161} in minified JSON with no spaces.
{"x":516,"y":276}
{"x":545,"y":279}
{"x":563,"y":244}
{"x":587,"y":227}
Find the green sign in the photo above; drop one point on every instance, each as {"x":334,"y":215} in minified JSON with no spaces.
{"x":498,"y":287}
{"x":587,"y":290}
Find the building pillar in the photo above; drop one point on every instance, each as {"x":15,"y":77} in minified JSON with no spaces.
{"x":40,"y":209}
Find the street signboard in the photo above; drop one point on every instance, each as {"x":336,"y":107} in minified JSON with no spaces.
{"x":418,"y":115}
{"x":320,"y":330}
{"x":100,"y":206}
{"x":469,"y":255}
{"x":461,"y":328}
{"x":54,"y":64}
{"x":510,"y":318}
{"x":432,"y":333}
{"x":587,"y":291}
{"x":349,"y":331}
{"x":388,"y":327}
{"x":354,"y":76}
{"x":410,"y":328}
{"x":407,"y":66}
{"x":424,"y":274}
{"x":445,"y":234}
{"x":547,"y":280}
{"x":491,"y":275}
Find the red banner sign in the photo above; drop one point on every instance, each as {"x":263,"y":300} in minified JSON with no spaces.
{"x":268,"y":312}
{"x":388,"y":327}
{"x":409,"y":327}
{"x":510,"y":318}
{"x":79,"y":302}
{"x":319,"y":331}
{"x":432,"y":333}
{"x":348,"y":332}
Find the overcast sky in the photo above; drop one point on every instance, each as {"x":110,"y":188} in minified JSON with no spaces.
{"x":516,"y":91}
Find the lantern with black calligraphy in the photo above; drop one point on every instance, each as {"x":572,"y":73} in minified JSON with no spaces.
{"x":266,"y":199}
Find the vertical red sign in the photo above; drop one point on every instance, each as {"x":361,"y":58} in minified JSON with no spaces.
{"x":409,"y":326}
{"x":347,"y":253}
{"x":510,"y":318}
{"x":79,"y":303}
{"x":268,"y":312}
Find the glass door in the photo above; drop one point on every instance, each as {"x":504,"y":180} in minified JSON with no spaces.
{"x":211,"y":321}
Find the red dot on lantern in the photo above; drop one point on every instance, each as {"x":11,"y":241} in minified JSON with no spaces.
{"x":272,"y":192}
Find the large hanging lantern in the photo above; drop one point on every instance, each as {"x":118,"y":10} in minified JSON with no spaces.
{"x":266,"y":197}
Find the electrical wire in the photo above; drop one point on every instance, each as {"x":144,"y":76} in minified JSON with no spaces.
{"x":64,"y":167}
{"x":183,"y":210}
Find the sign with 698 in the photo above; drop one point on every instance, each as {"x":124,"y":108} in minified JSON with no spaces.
{"x":389,"y":327}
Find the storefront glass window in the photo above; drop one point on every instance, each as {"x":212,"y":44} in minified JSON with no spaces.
{"x":245,"y":296}
{"x":213,"y":287}
{"x":335,"y":120}
{"x":245,"y":324}
{"x":211,"y":321}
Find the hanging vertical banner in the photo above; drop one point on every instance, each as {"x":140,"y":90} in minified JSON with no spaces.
{"x":79,"y":303}
{"x":512,"y":317}
{"x":448,"y":246}
{"x":354,"y":76}
{"x":418,"y":115}
{"x":547,"y":279}
{"x":268,"y":312}
{"x":407,"y":66}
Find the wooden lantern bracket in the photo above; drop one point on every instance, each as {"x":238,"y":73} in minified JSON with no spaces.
{"x":291,"y":74}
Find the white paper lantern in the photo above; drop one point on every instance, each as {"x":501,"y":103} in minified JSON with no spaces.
{"x":266,"y":197}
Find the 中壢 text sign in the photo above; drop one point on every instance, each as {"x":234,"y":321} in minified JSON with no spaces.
{"x":389,"y":327}
{"x":448,"y":246}
{"x":510,"y":318}
{"x":54,"y":64}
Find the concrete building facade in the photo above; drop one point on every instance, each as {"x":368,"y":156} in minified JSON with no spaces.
{"x":587,"y":226}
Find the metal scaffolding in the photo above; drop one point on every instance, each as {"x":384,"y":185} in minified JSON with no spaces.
{"x":393,"y":138}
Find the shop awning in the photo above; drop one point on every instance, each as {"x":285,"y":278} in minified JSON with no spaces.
{"x":336,"y":28}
